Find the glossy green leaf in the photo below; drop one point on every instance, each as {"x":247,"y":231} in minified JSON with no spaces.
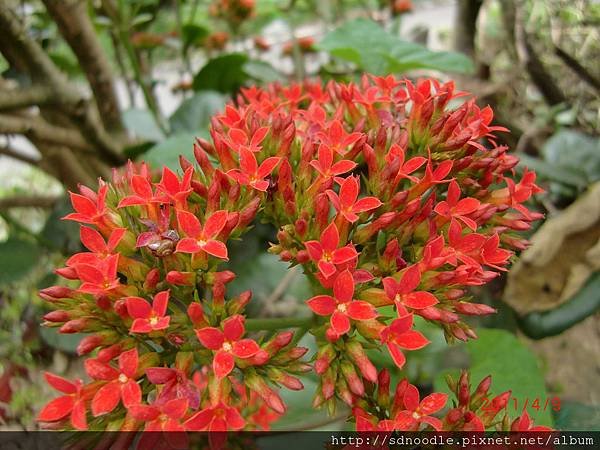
{"x":223,"y":74}
{"x":195,"y":112}
{"x":142,"y":124}
{"x":17,"y":259}
{"x":364,"y":43}
{"x":513,"y":367}
{"x":166,"y":153}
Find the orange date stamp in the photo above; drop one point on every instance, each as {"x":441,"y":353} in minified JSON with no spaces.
{"x":520,"y":404}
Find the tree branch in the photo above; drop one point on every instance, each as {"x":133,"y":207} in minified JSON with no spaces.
{"x":12,"y":153}
{"x":22,"y":98}
{"x":533,"y":64}
{"x":76,"y":28}
{"x":40,"y":129}
{"x":28,"y":202}
{"x":577,"y":68}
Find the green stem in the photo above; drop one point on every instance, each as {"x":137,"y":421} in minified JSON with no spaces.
{"x":278,"y":323}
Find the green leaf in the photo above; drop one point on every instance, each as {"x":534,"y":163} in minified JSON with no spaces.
{"x":63,"y":234}
{"x":575,"y":416}
{"x":195,"y":112}
{"x":575,"y":151}
{"x":512,"y":366}
{"x":262,"y":71}
{"x":64,"y":342}
{"x":193,"y":34}
{"x":570,"y":176}
{"x":223,"y":74}
{"x":166,"y":153}
{"x":374,"y":50}
{"x":17,"y":259}
{"x":142,"y":124}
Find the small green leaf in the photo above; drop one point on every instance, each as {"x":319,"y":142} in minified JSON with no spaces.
{"x":374,"y":50}
{"x":262,"y":71}
{"x":193,"y":34}
{"x":142,"y":124}
{"x":17,"y":259}
{"x":166,"y":153}
{"x":195,"y":112}
{"x":223,"y":74}
{"x":513,"y":367}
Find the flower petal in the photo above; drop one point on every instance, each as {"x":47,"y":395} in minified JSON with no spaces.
{"x":138,"y":308}
{"x":360,"y":310}
{"x":223,"y":364}
{"x":330,"y":238}
{"x":340,"y":323}
{"x":78,"y":418}
{"x":233,"y":327}
{"x":159,"y":304}
{"x":433,"y":403}
{"x":215,"y":248}
{"x":56,"y":409}
{"x":60,"y":384}
{"x":99,"y":370}
{"x":245,"y":348}
{"x":419,"y":300}
{"x":214,"y":224}
{"x":131,"y":393}
{"x":128,"y":362}
{"x":343,"y":287}
{"x":106,"y":399}
{"x":189,"y":223}
{"x":323,"y":305}
{"x":212,"y":338}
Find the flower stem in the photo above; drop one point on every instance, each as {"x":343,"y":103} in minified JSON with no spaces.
{"x":278,"y":323}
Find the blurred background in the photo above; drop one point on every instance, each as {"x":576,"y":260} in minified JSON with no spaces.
{"x":87,"y":85}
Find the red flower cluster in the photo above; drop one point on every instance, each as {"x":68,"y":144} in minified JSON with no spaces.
{"x":393,"y":204}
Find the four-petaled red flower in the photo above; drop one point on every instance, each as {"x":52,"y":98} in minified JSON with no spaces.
{"x":342,"y":307}
{"x":238,"y":140}
{"x":100,"y":278}
{"x":405,"y":168}
{"x":346,"y":202}
{"x":336,"y":137}
{"x":419,"y":411}
{"x":175,"y":385}
{"x":199,"y":238}
{"x":176,"y":191}
{"x":524,"y":423}
{"x":227,"y":344}
{"x":399,"y":335}
{"x":72,"y":403}
{"x":250,"y":173}
{"x":403,"y":292}
{"x":219,"y":417}
{"x":89,"y":206}
{"x":164,"y":418}
{"x":326,"y":252}
{"x":121,"y":384}
{"x":146,"y":317}
{"x":143,"y":193}
{"x":456,"y":207}
{"x":97,"y":246}
{"x":325,"y":165}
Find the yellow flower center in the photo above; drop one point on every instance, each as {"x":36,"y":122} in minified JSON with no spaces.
{"x":153,"y":320}
{"x":342,"y":307}
{"x":123,"y":378}
{"x":227,"y":346}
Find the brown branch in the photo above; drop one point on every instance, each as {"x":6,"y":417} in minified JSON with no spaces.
{"x":21,"y":98}
{"x":12,"y":153}
{"x":577,"y":68}
{"x":40,"y":129}
{"x":531,"y":61}
{"x":27,"y":52}
{"x":76,"y":28}
{"x":28,"y":202}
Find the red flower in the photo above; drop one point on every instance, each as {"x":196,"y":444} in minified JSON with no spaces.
{"x":100,"y":278}
{"x":325,"y":166}
{"x":97,"y":246}
{"x":492,"y":255}
{"x":419,"y":411}
{"x":402,"y":293}
{"x":89,"y":206}
{"x":219,"y":417}
{"x":202,"y":239}
{"x":176,"y":385}
{"x":250,"y":173}
{"x":346,"y":202}
{"x":174,"y":190}
{"x":524,"y":423}
{"x":238,"y":139}
{"x":227,"y":344}
{"x":342,"y":307}
{"x":72,"y":403}
{"x":406,"y":168}
{"x":143,"y":194}
{"x":459,"y":209}
{"x":399,"y":335}
{"x":165,"y":418}
{"x":146,"y":317}
{"x":121,"y":383}
{"x":326,"y":252}
{"x":336,"y":137}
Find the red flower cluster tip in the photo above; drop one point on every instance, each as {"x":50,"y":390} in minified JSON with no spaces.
{"x":391,"y":201}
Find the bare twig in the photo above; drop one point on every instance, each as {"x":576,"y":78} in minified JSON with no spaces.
{"x":577,"y":68}
{"x":21,"y":98}
{"x":28,"y":202}
{"x":532,"y":63}
{"x":13,"y":153}
{"x":40,"y":129}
